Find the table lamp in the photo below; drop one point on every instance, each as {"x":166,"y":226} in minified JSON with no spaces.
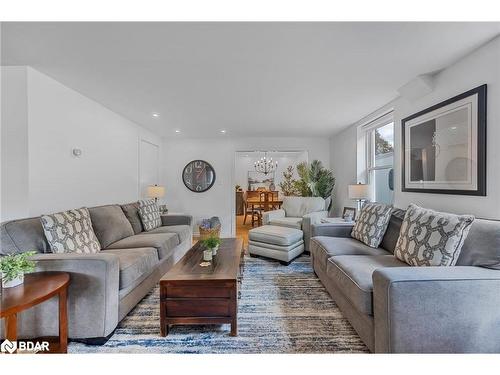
{"x":156,"y":191}
{"x":360,"y":193}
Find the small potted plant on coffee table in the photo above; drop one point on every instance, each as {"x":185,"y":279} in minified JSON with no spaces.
{"x":14,"y":266}
{"x":212,"y":243}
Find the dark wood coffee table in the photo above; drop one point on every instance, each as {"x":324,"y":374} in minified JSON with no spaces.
{"x":191,"y":294}
{"x":37,"y":288}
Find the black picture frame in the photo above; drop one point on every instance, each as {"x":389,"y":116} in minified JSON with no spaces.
{"x":349,"y":209}
{"x":208,"y":165}
{"x":481,"y":92}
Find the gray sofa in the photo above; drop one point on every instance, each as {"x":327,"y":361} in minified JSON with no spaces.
{"x":396,"y":308}
{"x":104,"y":286}
{"x":298,"y":213}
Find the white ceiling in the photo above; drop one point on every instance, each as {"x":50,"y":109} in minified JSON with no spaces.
{"x":258,"y":79}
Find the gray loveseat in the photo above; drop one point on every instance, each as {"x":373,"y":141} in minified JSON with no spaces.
{"x":396,"y":308}
{"x":104,"y":286}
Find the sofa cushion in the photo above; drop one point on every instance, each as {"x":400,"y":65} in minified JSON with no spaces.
{"x":371,"y":223}
{"x":392,"y":232}
{"x":323,"y":248}
{"x":482,"y":245}
{"x":110,"y":224}
{"x":300,"y":206}
{"x":150,"y":214}
{"x":18,"y":236}
{"x":431,"y":238}
{"x":70,"y":232}
{"x":291,"y":222}
{"x":131,"y":211}
{"x":183,"y":231}
{"x":353,"y":276}
{"x":281,"y":236}
{"x":164,"y":243}
{"x":134,"y":264}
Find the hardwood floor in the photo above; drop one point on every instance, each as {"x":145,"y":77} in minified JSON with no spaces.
{"x":242,"y":229}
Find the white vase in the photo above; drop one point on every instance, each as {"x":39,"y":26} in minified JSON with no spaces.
{"x":14,"y":282}
{"x":214,"y":250}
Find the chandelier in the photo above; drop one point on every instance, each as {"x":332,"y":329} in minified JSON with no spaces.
{"x":265,"y":165}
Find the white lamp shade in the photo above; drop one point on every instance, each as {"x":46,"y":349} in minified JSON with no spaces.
{"x":359,"y":191}
{"x":156,"y":191}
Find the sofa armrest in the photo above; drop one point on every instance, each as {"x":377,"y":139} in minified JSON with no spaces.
{"x":436,"y":310}
{"x":270,"y":215}
{"x":331,"y":230}
{"x":307,"y":221}
{"x":92,"y":296}
{"x":176,"y":219}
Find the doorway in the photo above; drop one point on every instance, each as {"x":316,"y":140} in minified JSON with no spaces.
{"x":250,"y":179}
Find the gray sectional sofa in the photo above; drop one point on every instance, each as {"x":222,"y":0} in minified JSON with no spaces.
{"x":104,"y":286}
{"x":396,"y":308}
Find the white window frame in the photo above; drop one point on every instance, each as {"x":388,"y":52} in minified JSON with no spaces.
{"x":368,"y":131}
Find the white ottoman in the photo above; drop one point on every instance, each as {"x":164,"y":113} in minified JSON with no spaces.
{"x":280,"y":243}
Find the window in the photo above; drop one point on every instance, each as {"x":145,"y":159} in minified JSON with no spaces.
{"x":380,"y":160}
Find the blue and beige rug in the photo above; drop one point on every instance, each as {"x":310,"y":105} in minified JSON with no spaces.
{"x":281,"y":310}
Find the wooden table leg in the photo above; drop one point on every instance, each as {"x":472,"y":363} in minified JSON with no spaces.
{"x":11,"y":327}
{"x":63,"y":320}
{"x":163,"y":326}
{"x":234,"y":310}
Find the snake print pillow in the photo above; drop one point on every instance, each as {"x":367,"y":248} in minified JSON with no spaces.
{"x":371,"y":224}
{"x":70,"y":232}
{"x":431,"y":238}
{"x":150,"y":214}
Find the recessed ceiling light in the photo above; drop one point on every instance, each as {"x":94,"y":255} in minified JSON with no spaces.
{"x":155,"y":114}
{"x":177,"y":131}
{"x":223,"y":131}
{"x":453,"y":128}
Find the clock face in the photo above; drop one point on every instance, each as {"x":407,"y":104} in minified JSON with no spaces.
{"x":198,"y":176}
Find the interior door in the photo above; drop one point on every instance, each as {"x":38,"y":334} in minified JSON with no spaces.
{"x":149,"y":166}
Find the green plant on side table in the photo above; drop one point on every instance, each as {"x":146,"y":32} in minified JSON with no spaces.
{"x":212,"y":243}
{"x":14,"y":266}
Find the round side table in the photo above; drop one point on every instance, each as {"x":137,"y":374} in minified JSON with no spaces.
{"x":37,"y":288}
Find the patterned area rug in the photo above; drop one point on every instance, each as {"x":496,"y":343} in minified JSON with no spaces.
{"x":281,"y":310}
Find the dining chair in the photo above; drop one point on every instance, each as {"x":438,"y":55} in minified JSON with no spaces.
{"x":258,"y":209}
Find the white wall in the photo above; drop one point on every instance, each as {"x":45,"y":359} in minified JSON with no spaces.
{"x":14,"y":124}
{"x":343,"y":164}
{"x":220,"y":153}
{"x":481,"y":66}
{"x":60,"y":119}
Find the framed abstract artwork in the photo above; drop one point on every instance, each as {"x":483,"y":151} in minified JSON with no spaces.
{"x":444,"y":146}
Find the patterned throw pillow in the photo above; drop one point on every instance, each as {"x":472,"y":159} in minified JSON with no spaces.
{"x":150,"y":214}
{"x":431,"y":238}
{"x":371,"y":224}
{"x":70,"y":232}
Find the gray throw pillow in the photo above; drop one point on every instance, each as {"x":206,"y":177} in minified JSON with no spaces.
{"x":431,"y":238}
{"x":70,"y":232}
{"x":150,"y":214}
{"x":371,"y":223}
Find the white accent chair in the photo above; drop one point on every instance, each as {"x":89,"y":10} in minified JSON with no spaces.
{"x":299,"y":213}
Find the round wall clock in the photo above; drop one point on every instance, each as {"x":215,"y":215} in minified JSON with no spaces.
{"x":198,"y":176}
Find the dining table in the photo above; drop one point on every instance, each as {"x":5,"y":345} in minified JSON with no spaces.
{"x":266,"y":205}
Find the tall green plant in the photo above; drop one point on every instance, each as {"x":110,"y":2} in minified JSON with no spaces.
{"x":287,"y":186}
{"x":315,"y":180}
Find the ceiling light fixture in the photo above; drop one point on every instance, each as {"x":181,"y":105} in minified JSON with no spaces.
{"x":223,"y":131}
{"x":177,"y":131}
{"x":265,"y":165}
{"x":155,"y":114}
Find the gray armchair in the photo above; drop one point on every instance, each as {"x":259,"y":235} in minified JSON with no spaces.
{"x":299,"y":213}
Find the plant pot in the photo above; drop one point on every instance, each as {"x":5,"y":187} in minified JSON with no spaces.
{"x":207,"y":255}
{"x":14,"y":282}
{"x":214,"y":250}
